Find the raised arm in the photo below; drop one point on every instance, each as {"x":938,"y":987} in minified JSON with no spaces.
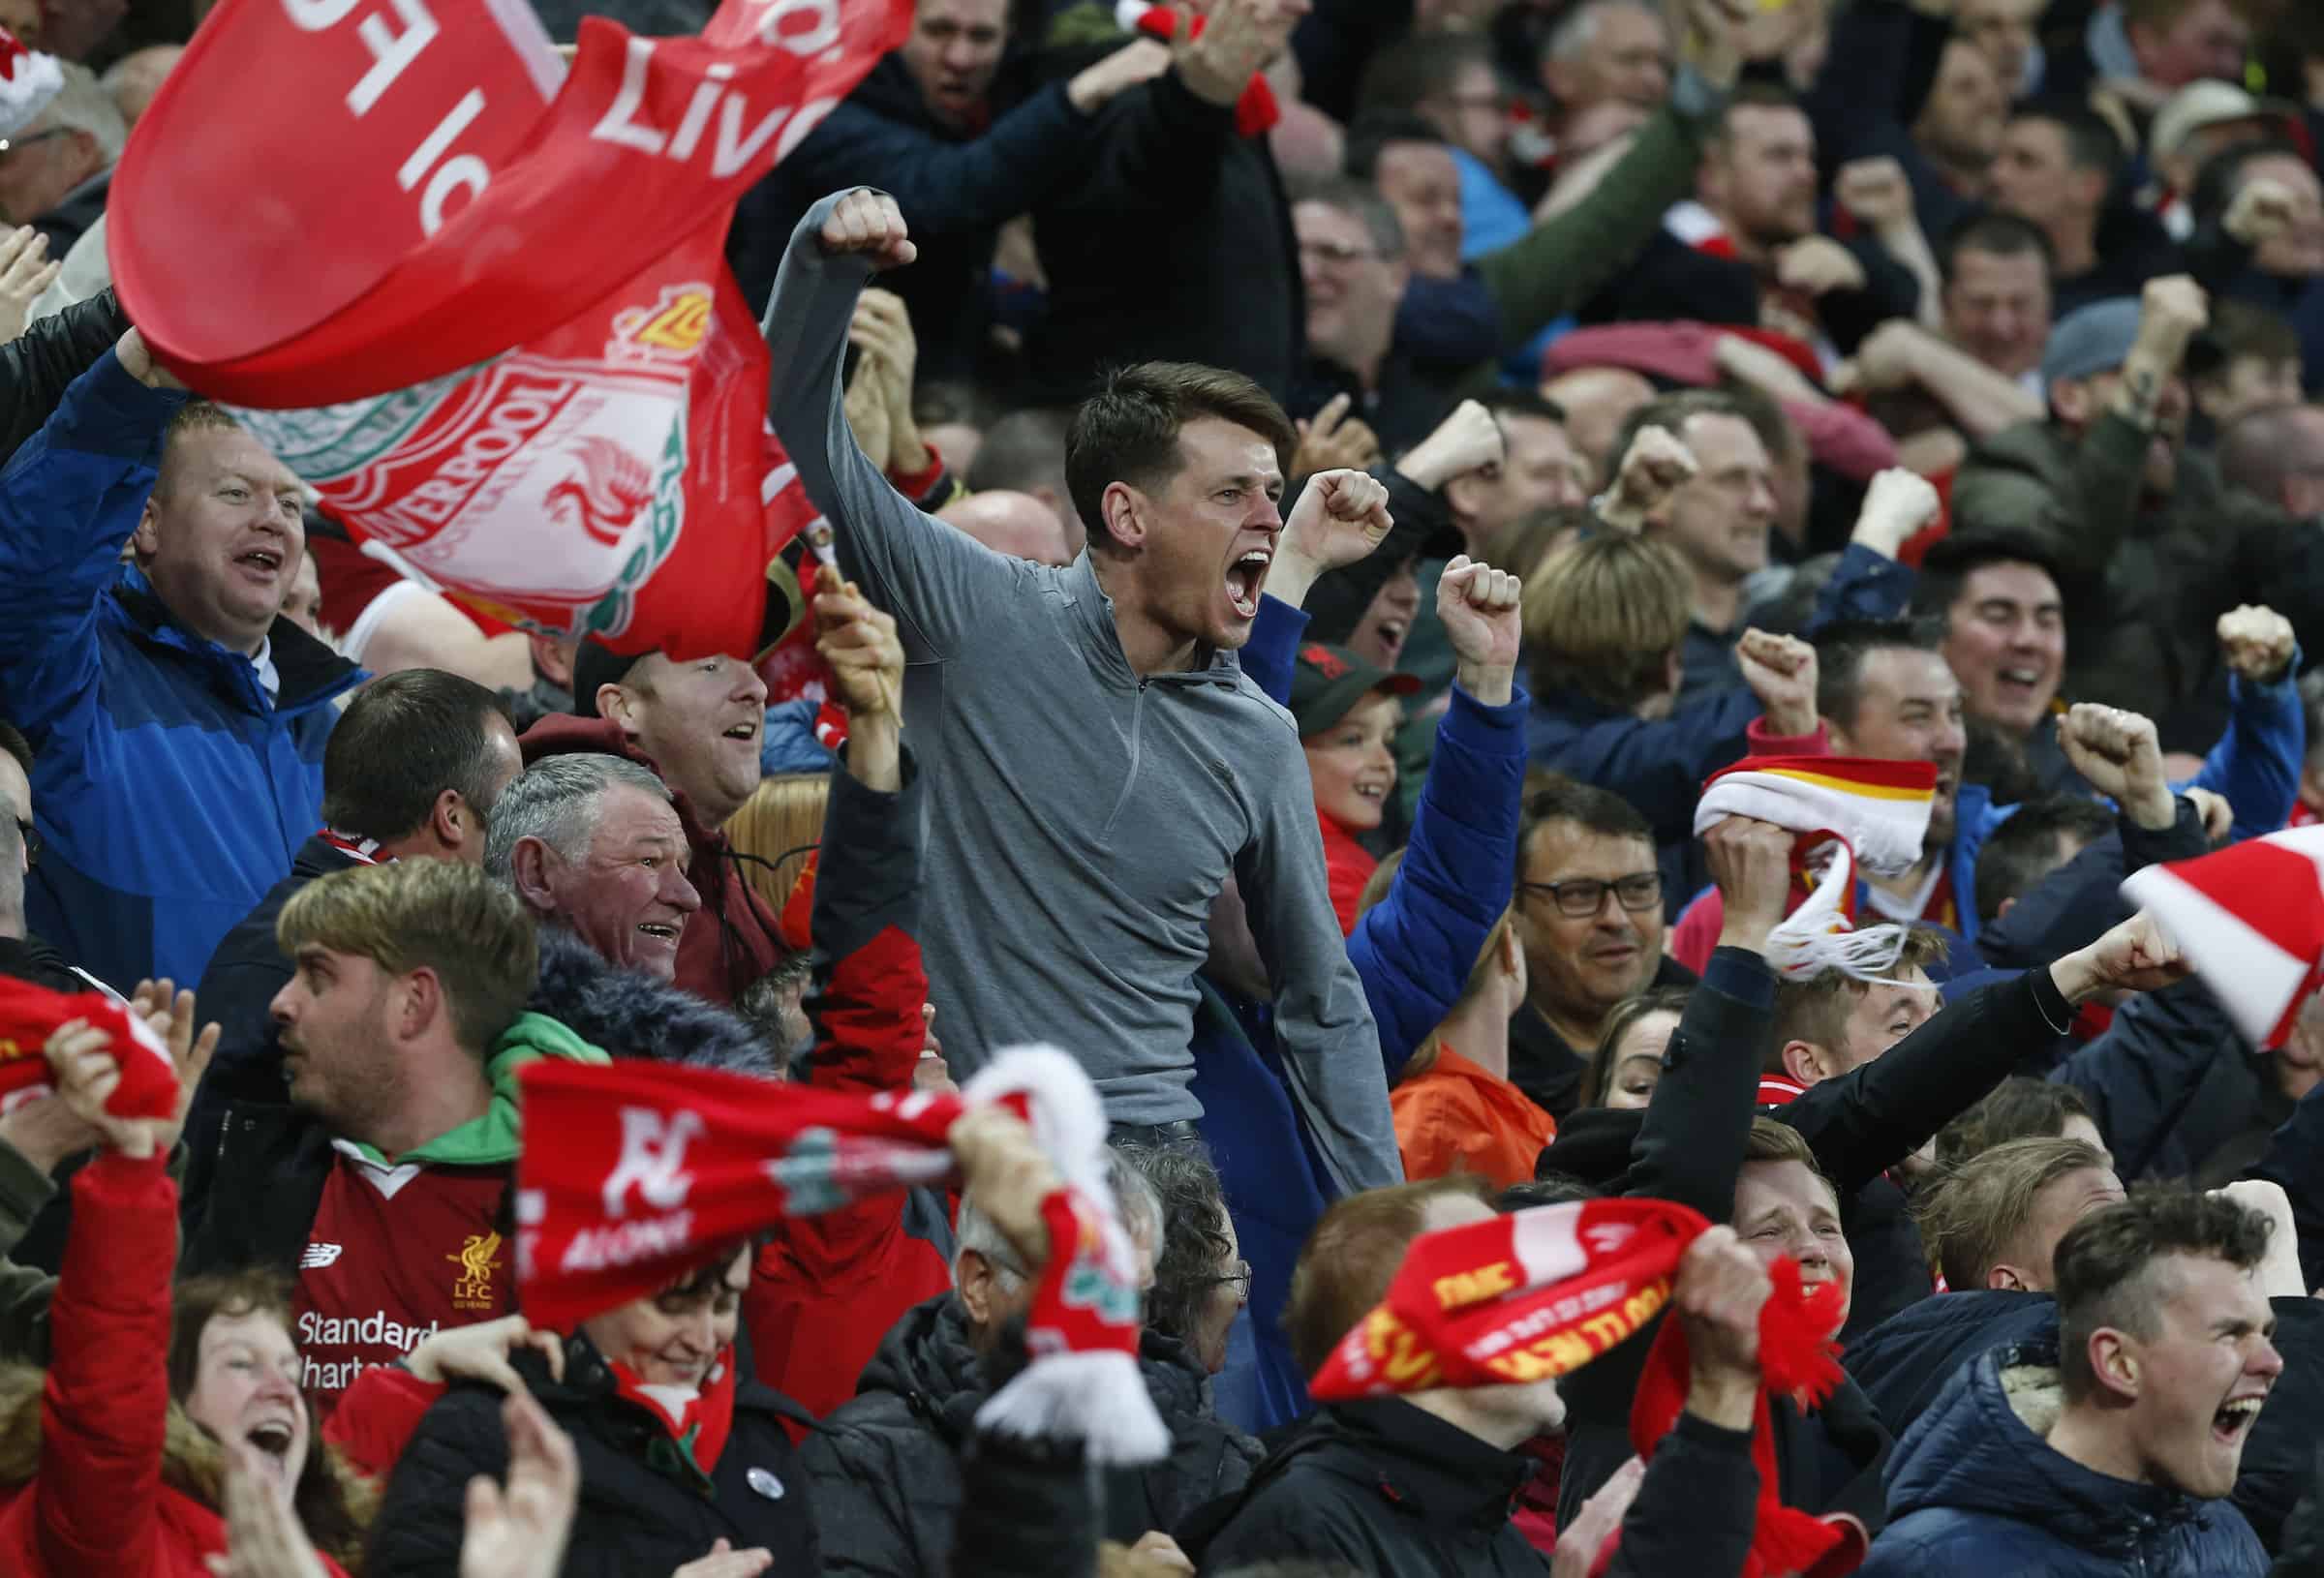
{"x":69,"y":500}
{"x":1330,"y":1046}
{"x":937,"y":582}
{"x":105,"y":1411}
{"x":946,"y":186}
{"x":2257,"y":762}
{"x":1871,"y":1118}
{"x":1690,"y":1148}
{"x":1561,"y":263}
{"x":1416,"y":949}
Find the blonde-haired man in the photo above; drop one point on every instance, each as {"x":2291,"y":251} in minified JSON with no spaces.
{"x":382,"y":1185}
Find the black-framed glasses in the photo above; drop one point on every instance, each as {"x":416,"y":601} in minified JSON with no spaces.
{"x":1581,"y":897}
{"x":1238,"y":1279}
{"x":32,"y":840}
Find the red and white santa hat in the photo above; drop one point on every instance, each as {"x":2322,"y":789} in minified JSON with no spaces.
{"x":2250,"y":920}
{"x":28,"y":81}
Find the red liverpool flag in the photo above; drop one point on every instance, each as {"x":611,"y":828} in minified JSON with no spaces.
{"x":483,"y":310}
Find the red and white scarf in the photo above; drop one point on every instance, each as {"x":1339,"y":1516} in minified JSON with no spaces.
{"x":1848,"y":812}
{"x":1254,"y":111}
{"x":362,"y":851}
{"x":1540,"y":1292}
{"x":634,"y":1173}
{"x":30,"y":1014}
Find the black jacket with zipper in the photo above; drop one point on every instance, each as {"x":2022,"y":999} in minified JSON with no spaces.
{"x":1379,"y":1485}
{"x":886,"y":1465}
{"x":644,"y":1510}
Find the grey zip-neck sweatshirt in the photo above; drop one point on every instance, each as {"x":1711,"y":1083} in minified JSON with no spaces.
{"x":1080,"y":819}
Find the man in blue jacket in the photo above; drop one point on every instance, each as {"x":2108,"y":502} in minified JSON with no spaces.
{"x":1413,"y":951}
{"x":179,"y":720}
{"x":2114,"y":1451}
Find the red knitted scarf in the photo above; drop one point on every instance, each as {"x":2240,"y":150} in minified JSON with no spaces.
{"x":29,"y":1015}
{"x":1539,"y":1292}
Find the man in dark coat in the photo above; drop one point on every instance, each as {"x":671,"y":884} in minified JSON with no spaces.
{"x":2147,"y":548}
{"x":885,"y":1465}
{"x":1995,"y":1228}
{"x":1175,"y":243}
{"x":1397,"y":1485}
{"x":2113,"y":1452}
{"x":411,"y":772}
{"x":951,"y":127}
{"x":647,"y":1508}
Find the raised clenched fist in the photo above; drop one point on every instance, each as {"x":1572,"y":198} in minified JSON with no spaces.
{"x":867,"y":223}
{"x":2257,"y":642}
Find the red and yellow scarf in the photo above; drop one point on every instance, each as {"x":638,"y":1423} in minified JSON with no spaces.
{"x":1540,"y":1292}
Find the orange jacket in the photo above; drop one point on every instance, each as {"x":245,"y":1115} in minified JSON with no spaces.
{"x":1458,"y":1119}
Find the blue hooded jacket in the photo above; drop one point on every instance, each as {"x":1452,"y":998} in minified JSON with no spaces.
{"x":171,"y":792}
{"x":1413,"y":951}
{"x":1974,"y":1488}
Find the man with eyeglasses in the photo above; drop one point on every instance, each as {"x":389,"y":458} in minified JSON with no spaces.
{"x":1589,"y":911}
{"x":55,"y":172}
{"x":884,"y":1467}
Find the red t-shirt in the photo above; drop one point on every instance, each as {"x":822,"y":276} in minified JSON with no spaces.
{"x":395,"y":1254}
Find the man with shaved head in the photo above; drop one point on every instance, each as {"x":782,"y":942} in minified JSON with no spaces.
{"x":1016,"y":524}
{"x":2277,"y":455}
{"x":1597,"y":401}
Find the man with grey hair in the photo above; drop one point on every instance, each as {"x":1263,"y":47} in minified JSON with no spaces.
{"x":55,"y":174}
{"x":1608,"y":52}
{"x":885,"y":1465}
{"x":593,"y":841}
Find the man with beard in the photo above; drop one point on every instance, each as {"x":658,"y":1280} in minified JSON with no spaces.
{"x":2147,"y":548}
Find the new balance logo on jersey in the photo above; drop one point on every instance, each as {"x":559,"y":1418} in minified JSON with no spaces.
{"x":317,"y":1256}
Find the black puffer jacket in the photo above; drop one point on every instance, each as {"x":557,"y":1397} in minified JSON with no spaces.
{"x":1379,"y":1484}
{"x":885,"y":1465}
{"x":643,"y":1511}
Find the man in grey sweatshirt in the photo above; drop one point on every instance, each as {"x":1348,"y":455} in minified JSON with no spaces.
{"x":1097,"y":762}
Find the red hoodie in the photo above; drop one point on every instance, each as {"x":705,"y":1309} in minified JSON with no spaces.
{"x":732,"y":940}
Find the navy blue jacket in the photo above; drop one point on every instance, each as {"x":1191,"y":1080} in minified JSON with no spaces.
{"x":1905,"y":1363}
{"x":1413,"y":950}
{"x":171,"y":793}
{"x":2295,"y":1159}
{"x":2175,"y":1089}
{"x":1974,"y":1489}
